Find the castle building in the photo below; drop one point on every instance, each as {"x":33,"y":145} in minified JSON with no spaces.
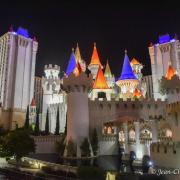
{"x":38,"y":92}
{"x":17,"y":70}
{"x":53,"y":98}
{"x":166,"y":51}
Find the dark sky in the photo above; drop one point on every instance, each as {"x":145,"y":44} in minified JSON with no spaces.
{"x":59,"y":25}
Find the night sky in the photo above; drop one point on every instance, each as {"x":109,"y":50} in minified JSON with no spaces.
{"x":113,"y":26}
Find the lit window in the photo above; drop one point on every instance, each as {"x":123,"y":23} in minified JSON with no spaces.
{"x":132,"y":134}
{"x":168,"y":133}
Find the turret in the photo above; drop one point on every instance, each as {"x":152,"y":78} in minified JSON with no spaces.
{"x":77,"y":89}
{"x":127,"y":81}
{"x":100,"y":87}
{"x":51,"y":88}
{"x":137,"y":67}
{"x":109,"y":76}
{"x":32,"y":111}
{"x":95,"y":62}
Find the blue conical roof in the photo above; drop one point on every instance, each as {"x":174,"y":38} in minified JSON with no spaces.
{"x":127,"y":72}
{"x":71,"y":65}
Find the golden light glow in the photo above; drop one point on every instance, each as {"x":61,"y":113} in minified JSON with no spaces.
{"x":100,"y":82}
{"x":170,"y":73}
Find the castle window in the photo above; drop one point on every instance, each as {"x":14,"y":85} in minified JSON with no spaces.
{"x":109,"y":130}
{"x":109,"y":105}
{"x":174,"y":151}
{"x":101,"y":95}
{"x":117,"y":106}
{"x":132,"y":135}
{"x":168,"y":133}
{"x":48,"y":86}
{"x":133,"y":106}
{"x":125,"y":106}
{"x":165,"y":149}
{"x":149,"y":106}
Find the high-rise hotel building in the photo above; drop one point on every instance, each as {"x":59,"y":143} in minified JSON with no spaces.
{"x":17,"y":70}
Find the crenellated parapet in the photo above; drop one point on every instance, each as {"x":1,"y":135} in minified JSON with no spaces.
{"x":82,"y":83}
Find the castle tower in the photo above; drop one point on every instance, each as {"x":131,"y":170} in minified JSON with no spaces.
{"x":77,"y":89}
{"x":95,"y":62}
{"x":100,"y":87}
{"x":51,"y":89}
{"x":165,"y":50}
{"x":79,"y":59}
{"x":127,"y":81}
{"x":109,"y":76}
{"x":32,"y":111}
{"x":137,"y":67}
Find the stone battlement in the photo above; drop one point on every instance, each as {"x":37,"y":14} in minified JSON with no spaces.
{"x":50,"y":66}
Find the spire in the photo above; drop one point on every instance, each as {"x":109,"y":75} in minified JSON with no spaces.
{"x":33,"y":102}
{"x":170,"y":72}
{"x":107,"y":72}
{"x":127,"y":72}
{"x":71,"y":64}
{"x":95,"y":57}
{"x":100,"y":82}
{"x":137,"y":93}
{"x":78,"y":54}
{"x":135,"y":62}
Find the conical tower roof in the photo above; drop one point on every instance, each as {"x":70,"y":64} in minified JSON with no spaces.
{"x":71,"y":64}
{"x":100,"y":82}
{"x":170,"y":73}
{"x":135,"y":62}
{"x":78,"y":54}
{"x":127,"y":72}
{"x":95,"y":57}
{"x":33,"y":102}
{"x":107,"y":72}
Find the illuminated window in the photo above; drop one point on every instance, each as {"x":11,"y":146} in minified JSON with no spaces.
{"x":168,"y":133}
{"x":109,"y":130}
{"x":132,"y":135}
{"x":121,"y":136}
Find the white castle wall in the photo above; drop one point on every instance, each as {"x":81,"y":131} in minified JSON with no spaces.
{"x":166,"y":155}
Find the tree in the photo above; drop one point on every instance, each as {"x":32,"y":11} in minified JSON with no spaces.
{"x":71,"y":148}
{"x":36,"y":129}
{"x":47,"y":123}
{"x":94,"y":141}
{"x":17,"y":143}
{"x":26,"y":125}
{"x":85,"y":149}
{"x":57,"y":122}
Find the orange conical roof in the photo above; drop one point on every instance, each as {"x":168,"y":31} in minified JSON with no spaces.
{"x":135,"y":62}
{"x":100,"y":82}
{"x":137,"y":93}
{"x":33,"y":102}
{"x":170,"y":73}
{"x":95,"y":57}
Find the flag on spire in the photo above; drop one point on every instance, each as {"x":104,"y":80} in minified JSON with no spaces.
{"x":78,"y":54}
{"x":127,"y":72}
{"x":100,"y":82}
{"x":72,"y":64}
{"x":95,"y":57}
